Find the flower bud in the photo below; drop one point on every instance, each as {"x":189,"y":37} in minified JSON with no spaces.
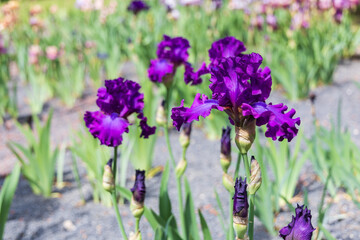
{"x":136,"y":208}
{"x":180,"y":168}
{"x":245,"y":135}
{"x":228,"y":182}
{"x":240,"y":208}
{"x":225,"y":155}
{"x":138,"y":190}
{"x":185,"y":135}
{"x":108,"y":177}
{"x":160,"y":115}
{"x":255,"y":178}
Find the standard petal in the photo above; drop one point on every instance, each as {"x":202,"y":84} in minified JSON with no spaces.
{"x":120,"y":96}
{"x":107,"y":128}
{"x":174,"y":49}
{"x":201,"y":107}
{"x":159,"y":68}
{"x":224,"y":48}
{"x":279,"y":123}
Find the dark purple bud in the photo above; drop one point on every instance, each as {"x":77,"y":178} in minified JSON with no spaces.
{"x":300,"y":227}
{"x":226,"y":141}
{"x":137,"y":6}
{"x":139,"y":188}
{"x":241,"y":204}
{"x":187,"y":129}
{"x":109,"y":163}
{"x":185,"y":135}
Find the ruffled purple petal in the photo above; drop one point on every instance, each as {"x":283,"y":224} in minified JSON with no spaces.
{"x":238,"y":80}
{"x":279,"y":123}
{"x":300,"y":228}
{"x":194,"y":77}
{"x":120,"y":96}
{"x":107,"y":128}
{"x":201,"y":107}
{"x":159,"y":68}
{"x":224,"y":48}
{"x":146,"y":129}
{"x":174,"y":49}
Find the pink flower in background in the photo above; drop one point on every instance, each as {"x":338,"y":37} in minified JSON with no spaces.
{"x":52,"y":53}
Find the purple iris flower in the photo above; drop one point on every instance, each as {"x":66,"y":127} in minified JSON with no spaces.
{"x":137,"y":6}
{"x":241,"y":204}
{"x":240,"y":87}
{"x":139,"y":188}
{"x":171,"y":53}
{"x":300,"y":227}
{"x":224,"y":48}
{"x":117,"y":101}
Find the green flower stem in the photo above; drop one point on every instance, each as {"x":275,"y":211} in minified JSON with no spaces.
{"x":114,"y":199}
{"x":247,"y":166}
{"x":178,"y":180}
{"x":251,"y":216}
{"x":137,"y":223}
{"x":252,"y":198}
{"x":237,"y":168}
{"x":231,"y":230}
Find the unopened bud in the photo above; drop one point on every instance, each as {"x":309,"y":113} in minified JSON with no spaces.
{"x":245,"y":135}
{"x":160,"y":115}
{"x":136,"y":208}
{"x":228,"y":182}
{"x":185,"y":135}
{"x":180,"y":168}
{"x":225,"y":162}
{"x":108,"y":177}
{"x":135,"y":236}
{"x":255,"y":178}
{"x":240,"y":227}
{"x":225,"y":156}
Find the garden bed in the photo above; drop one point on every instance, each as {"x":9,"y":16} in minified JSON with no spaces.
{"x":33,"y":217}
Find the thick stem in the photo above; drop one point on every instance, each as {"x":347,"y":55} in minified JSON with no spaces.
{"x":251,"y":216}
{"x":237,"y":168}
{"x":137,"y":223}
{"x":231,"y":230}
{"x":118,"y":216}
{"x":247,"y":166}
{"x":114,"y":198}
{"x":178,"y":180}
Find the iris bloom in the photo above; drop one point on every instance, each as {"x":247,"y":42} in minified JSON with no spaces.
{"x":300,"y":228}
{"x":239,"y":88}
{"x":137,"y":6}
{"x":117,"y":101}
{"x":171,"y":53}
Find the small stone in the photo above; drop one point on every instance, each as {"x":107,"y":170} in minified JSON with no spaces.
{"x":69,"y":226}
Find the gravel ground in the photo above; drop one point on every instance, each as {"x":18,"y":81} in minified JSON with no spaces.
{"x":33,"y":217}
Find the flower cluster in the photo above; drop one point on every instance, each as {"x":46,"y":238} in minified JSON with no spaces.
{"x":117,"y":101}
{"x":240,"y":87}
{"x":300,"y":228}
{"x":171,"y":53}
